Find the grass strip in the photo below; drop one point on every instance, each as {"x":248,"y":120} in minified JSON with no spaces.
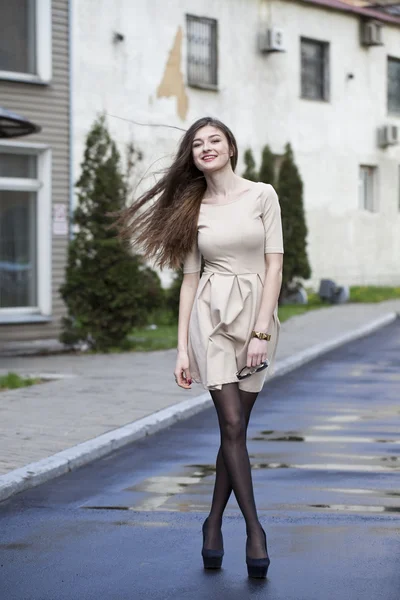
{"x":13,"y":381}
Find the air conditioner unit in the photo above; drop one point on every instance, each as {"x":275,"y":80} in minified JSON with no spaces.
{"x":371,"y":33}
{"x":388,"y":135}
{"x":271,"y":40}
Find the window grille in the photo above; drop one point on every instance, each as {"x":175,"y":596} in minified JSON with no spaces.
{"x":202,"y":59}
{"x":314,"y":69}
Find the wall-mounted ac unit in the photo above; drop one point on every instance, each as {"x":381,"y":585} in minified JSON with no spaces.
{"x":271,"y":40}
{"x":388,"y":135}
{"x":371,"y":33}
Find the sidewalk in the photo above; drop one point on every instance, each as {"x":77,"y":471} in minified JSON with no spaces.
{"x":97,"y":395}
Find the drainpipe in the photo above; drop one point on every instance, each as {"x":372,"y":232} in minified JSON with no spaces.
{"x":71,"y":101}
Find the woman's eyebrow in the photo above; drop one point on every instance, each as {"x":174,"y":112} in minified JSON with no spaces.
{"x":210,"y":136}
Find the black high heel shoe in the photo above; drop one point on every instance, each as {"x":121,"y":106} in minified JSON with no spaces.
{"x":212,"y":559}
{"x":258,"y":567}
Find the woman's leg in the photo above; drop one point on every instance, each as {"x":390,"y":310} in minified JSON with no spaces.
{"x":233,"y":427}
{"x":222,"y":485}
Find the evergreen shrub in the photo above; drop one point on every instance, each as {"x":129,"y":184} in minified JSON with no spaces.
{"x":108,"y":290}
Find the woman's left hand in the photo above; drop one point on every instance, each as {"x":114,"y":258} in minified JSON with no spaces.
{"x":256,"y":352}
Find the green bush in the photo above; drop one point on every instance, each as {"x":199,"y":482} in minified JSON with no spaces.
{"x":290,"y":192}
{"x":250,"y":172}
{"x":107,"y":290}
{"x":172,"y":295}
{"x":267,"y":172}
{"x":289,"y":188}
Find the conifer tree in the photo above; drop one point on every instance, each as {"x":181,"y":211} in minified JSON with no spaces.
{"x":106,"y":286}
{"x":267,"y":173}
{"x":250,"y":172}
{"x":290,"y":192}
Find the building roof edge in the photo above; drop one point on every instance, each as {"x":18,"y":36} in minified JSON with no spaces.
{"x":367,"y":13}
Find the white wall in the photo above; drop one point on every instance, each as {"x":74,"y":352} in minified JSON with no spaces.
{"x":259,"y":98}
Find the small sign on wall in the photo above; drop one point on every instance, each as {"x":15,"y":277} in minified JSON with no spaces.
{"x":60,"y":219}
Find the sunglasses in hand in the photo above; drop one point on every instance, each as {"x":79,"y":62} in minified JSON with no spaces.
{"x":247,"y":371}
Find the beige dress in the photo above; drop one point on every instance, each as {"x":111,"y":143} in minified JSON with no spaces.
{"x":233,"y":238}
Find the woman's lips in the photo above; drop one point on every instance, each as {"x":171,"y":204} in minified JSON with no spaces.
{"x":208,"y":158}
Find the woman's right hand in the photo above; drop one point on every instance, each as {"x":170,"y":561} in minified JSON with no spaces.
{"x":182,"y":373}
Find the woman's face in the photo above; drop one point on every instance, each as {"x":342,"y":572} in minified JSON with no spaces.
{"x":210,"y":149}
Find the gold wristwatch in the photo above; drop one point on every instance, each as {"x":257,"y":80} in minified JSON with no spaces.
{"x":260,"y":335}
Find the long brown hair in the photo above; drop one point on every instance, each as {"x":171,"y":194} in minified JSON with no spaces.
{"x":167,"y":229}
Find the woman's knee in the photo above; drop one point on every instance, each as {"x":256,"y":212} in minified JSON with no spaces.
{"x":233,"y":428}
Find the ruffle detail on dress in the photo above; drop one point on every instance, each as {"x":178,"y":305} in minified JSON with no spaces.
{"x":223,"y":316}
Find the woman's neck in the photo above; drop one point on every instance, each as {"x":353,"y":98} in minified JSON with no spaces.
{"x":221,"y":183}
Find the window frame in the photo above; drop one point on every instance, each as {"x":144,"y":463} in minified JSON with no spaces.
{"x":398,"y":189}
{"x":43,"y":49}
{"x":42,"y":186}
{"x":392,"y":111}
{"x":214,"y":24}
{"x":326,"y":95}
{"x":374,"y":205}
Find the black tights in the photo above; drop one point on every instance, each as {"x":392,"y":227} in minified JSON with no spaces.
{"x":233,"y":471}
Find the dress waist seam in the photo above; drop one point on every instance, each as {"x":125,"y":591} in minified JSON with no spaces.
{"x":208,"y":271}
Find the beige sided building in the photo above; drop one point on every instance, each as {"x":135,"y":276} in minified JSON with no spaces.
{"x":34,"y":169}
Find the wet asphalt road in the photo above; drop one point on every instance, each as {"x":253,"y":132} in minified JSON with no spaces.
{"x":325,"y":448}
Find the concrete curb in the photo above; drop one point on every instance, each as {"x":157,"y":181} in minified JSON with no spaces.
{"x":291,"y":363}
{"x":77,"y":456}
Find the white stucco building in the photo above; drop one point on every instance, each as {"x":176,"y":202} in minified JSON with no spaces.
{"x":331,"y":86}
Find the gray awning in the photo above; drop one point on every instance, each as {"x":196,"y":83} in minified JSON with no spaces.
{"x":13,"y":125}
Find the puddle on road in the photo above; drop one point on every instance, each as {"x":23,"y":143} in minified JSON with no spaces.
{"x":355,"y":508}
{"x":339,"y":439}
{"x":370,"y":491}
{"x":190,"y":489}
{"x":15,"y":546}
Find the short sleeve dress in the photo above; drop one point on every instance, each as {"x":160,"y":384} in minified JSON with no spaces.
{"x":233,"y":238}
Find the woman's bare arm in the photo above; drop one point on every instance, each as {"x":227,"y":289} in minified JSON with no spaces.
{"x":186,"y":298}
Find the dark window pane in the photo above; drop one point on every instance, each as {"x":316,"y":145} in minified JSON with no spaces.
{"x":202,"y":51}
{"x":17,"y":36}
{"x":313,"y":69}
{"x":17,"y":165}
{"x":18,"y":272}
{"x":394,"y":85}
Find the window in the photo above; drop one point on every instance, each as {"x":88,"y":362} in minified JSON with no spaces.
{"x":398,"y":190}
{"x":24,"y":230}
{"x":202,"y":65}
{"x":25,"y":41}
{"x":314,"y":69}
{"x":367,"y":188}
{"x":394,"y":85}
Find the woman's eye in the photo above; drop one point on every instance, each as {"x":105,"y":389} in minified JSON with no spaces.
{"x":215,"y":141}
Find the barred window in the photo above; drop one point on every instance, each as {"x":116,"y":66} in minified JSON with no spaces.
{"x":394,"y":85}
{"x":314,"y":69}
{"x":202,"y":65}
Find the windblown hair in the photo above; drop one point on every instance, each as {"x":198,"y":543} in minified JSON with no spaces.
{"x":166,"y":230}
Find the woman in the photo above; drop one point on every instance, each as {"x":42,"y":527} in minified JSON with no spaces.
{"x":228,"y":324}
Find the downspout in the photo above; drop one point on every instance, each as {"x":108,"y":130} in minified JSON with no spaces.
{"x":71,"y":137}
